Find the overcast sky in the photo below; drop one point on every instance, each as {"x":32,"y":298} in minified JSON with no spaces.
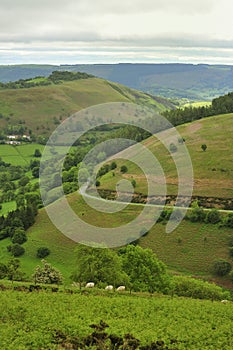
{"x":110,"y":31}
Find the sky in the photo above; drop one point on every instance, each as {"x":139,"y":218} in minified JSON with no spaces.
{"x":110,"y":31}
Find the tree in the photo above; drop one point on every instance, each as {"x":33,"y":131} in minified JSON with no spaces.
{"x":146,"y":272}
{"x":221,"y":267}
{"x":37,"y":153}
{"x":35,"y":172}
{"x":47,"y":274}
{"x":113,"y":165}
{"x":42,"y":252}
{"x":124,"y":169}
{"x":20,"y":201}
{"x":13,"y":270}
{"x":133,"y":182}
{"x":98,"y":265}
{"x":19,"y":236}
{"x":204,"y":147}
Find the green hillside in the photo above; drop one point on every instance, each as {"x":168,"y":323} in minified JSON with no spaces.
{"x":42,"y":108}
{"x":213,"y":168}
{"x":58,"y":320}
{"x":191,"y":248}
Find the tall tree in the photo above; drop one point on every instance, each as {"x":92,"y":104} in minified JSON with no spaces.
{"x":98,"y":265}
{"x":145,"y":270}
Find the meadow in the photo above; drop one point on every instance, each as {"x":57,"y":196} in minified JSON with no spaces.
{"x":52,"y":321}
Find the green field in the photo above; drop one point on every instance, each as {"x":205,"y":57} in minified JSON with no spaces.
{"x":213,"y":169}
{"x":19,"y":155}
{"x":31,"y":321}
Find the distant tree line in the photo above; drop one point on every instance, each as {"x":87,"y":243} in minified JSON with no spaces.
{"x":56,"y":77}
{"x":220,"y":105}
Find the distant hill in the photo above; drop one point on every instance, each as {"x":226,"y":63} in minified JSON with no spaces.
{"x":196,"y":82}
{"x":41,"y":104}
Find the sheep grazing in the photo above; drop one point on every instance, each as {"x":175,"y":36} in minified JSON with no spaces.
{"x":121,"y":289}
{"x":109,"y":288}
{"x":224,"y":301}
{"x":90,"y":285}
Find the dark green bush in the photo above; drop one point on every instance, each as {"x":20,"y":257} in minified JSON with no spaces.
{"x":221,"y":267}
{"x":42,"y":252}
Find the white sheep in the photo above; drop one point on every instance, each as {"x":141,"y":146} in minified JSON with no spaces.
{"x":109,"y":288}
{"x":90,"y":285}
{"x":224,"y":301}
{"x":121,"y":289}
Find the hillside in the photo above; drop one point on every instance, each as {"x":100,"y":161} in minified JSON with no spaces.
{"x":41,"y":108}
{"x":197,"y":82}
{"x":213,"y":168}
{"x":191,"y":248}
{"x":59,"y":320}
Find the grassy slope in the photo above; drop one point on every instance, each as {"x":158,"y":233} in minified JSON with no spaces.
{"x":36,"y":107}
{"x":213,"y":169}
{"x":191,"y":248}
{"x":31,"y":320}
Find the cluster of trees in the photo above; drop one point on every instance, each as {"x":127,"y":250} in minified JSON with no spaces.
{"x":220,"y":105}
{"x":198,"y":214}
{"x":59,"y":76}
{"x":137,"y":268}
{"x":14,"y":225}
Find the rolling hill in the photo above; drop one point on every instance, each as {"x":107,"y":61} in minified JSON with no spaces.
{"x":41,"y":108}
{"x":196,"y":82}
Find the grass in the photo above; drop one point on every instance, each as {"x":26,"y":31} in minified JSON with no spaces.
{"x":7,"y":206}
{"x":31,"y":320}
{"x":198,"y":104}
{"x":213,"y":169}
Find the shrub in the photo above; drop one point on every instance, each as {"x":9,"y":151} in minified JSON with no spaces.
{"x":198,"y":289}
{"x":221,"y":267}
{"x":213,"y":216}
{"x":204,"y":147}
{"x":42,"y":252}
{"x":196,"y":214}
{"x":17,"y":250}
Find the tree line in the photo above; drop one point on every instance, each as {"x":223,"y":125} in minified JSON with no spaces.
{"x":219,"y":105}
